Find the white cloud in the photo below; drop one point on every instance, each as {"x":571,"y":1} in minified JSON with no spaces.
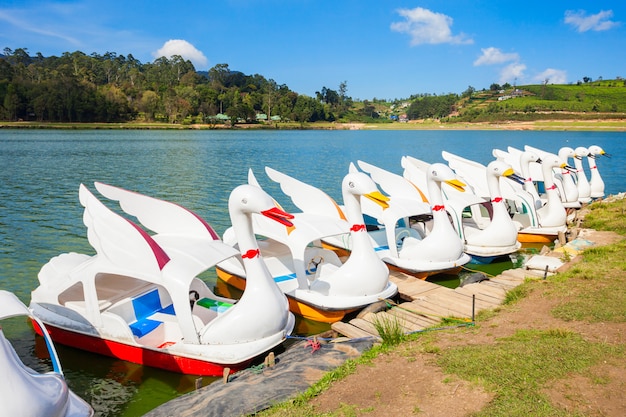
{"x":597,"y":22}
{"x":427,"y":27}
{"x":493,"y":56}
{"x":554,"y":76}
{"x":512,"y":72}
{"x":508,"y":73}
{"x":185,"y":50}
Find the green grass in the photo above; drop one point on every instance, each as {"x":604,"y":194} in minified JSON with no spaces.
{"x":390,"y":330}
{"x":597,"y":100}
{"x":517,"y":368}
{"x":607,"y":216}
{"x":594,"y":291}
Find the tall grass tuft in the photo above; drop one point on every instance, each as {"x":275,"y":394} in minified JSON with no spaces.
{"x":389,"y":330}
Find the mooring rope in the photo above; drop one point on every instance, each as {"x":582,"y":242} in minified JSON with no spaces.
{"x":477,"y":271}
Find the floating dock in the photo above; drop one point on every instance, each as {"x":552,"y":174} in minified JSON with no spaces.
{"x":426,"y":304}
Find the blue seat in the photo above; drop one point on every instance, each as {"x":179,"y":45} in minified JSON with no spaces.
{"x":144,"y":326}
{"x":145,"y":306}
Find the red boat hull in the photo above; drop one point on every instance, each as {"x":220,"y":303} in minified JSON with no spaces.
{"x":137,"y":354}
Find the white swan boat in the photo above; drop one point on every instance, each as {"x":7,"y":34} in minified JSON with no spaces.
{"x":582,"y":183}
{"x":139,"y":298}
{"x":567,"y":177}
{"x":521,"y":162}
{"x":484,"y":225}
{"x":25,"y":392}
{"x":410,"y":238}
{"x":318,"y":285}
{"x":595,"y":182}
{"x":561,"y":177}
{"x":541,"y":225}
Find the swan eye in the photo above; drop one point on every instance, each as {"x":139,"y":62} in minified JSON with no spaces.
{"x":244,"y":200}
{"x":351,"y":184}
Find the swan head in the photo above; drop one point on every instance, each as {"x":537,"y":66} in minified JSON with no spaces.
{"x":442,"y":173}
{"x":360,"y":184}
{"x":595,"y":151}
{"x":248,"y":199}
{"x":566,"y":152}
{"x":553,"y":161}
{"x":528,"y":157}
{"x":502,"y":169}
{"x":581,"y":152}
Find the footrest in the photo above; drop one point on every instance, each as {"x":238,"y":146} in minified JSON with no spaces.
{"x":142,"y":327}
{"x":218,"y":306}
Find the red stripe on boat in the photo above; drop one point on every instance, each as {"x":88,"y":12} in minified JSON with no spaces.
{"x":140,"y":355}
{"x":160,"y":255}
{"x":208,"y":227}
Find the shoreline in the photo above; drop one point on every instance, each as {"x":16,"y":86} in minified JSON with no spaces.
{"x":550,"y":125}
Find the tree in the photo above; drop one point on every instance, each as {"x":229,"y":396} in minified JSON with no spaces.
{"x":149,"y":104}
{"x":468,"y":92}
{"x":328,"y":96}
{"x":11,"y":102}
{"x":306,"y":109}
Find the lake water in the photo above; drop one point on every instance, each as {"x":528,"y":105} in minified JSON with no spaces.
{"x":40,"y":216}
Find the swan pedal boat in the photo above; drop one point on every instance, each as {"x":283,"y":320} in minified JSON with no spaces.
{"x":562,"y":177}
{"x":139,"y":298}
{"x":406,"y":235}
{"x":535,"y":225}
{"x":482,"y":224}
{"x":25,"y":392}
{"x":595,"y":182}
{"x":319,"y":285}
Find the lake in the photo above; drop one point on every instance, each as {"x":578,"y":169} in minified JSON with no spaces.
{"x":40,"y":216}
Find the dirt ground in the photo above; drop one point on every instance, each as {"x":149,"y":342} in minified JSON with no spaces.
{"x":402,"y":385}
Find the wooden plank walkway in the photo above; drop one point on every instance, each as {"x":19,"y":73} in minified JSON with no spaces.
{"x":427,"y":304}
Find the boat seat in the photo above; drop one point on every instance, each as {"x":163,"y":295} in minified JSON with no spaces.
{"x":142,"y":327}
{"x":146,"y":306}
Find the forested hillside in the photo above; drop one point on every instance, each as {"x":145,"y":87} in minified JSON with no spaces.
{"x":76,"y":87}
{"x":115,"y":88}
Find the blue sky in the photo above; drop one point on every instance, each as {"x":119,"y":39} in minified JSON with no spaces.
{"x":382,"y":48}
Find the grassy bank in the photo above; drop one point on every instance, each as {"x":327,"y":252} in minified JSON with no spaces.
{"x":573,"y":124}
{"x":528,"y":364}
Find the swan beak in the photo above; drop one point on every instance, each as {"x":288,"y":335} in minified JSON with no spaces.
{"x":568,"y":168}
{"x":279,"y":215}
{"x":378,"y":198}
{"x":510,"y":174}
{"x":608,"y":155}
{"x":456,"y":184}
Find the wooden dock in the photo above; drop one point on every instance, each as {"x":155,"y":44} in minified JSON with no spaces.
{"x":427,"y":304}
